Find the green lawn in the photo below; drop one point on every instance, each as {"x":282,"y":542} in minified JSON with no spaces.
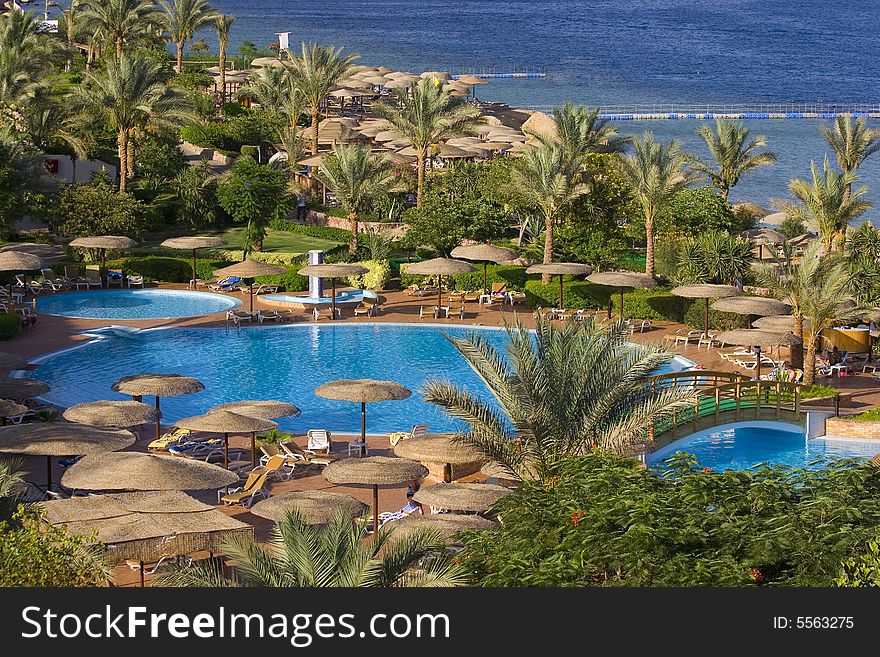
{"x":278,"y":240}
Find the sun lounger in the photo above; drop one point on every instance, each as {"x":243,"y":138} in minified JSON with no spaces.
{"x":366,"y":307}
{"x":472,"y":297}
{"x":296,"y":452}
{"x":417,"y":430}
{"x":685,"y":338}
{"x":427,"y":311}
{"x":177,"y":436}
{"x":239,"y":316}
{"x":326,"y":313}
{"x":114,"y":277}
{"x":498,"y":288}
{"x":254,"y":487}
{"x":50,"y":279}
{"x":277,"y":466}
{"x":272,"y":315}
{"x":753,"y":364}
{"x":411,"y":508}
{"x":319,"y":441}
{"x":227,"y":284}
{"x":515,"y":297}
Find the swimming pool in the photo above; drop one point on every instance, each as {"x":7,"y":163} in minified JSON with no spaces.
{"x":743,"y":445}
{"x":275,"y":362}
{"x":135,"y":304}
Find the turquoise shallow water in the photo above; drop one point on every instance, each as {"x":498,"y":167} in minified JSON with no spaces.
{"x":744,"y":445}
{"x":134,"y":304}
{"x":284,"y":362}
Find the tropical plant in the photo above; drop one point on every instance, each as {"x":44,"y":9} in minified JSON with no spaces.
{"x":342,"y":554}
{"x":22,"y":175}
{"x":119,"y":21}
{"x":130,"y":93}
{"x":656,"y":172}
{"x":559,"y":391}
{"x":356,"y":177}
{"x":852,"y":142}
{"x":98,"y":208}
{"x":543,"y":180}
{"x":863,"y":254}
{"x":734,"y":153}
{"x":192,"y":195}
{"x":714,"y":257}
{"x":826,"y":202}
{"x":691,"y":212}
{"x":11,"y":486}
{"x":51,"y":122}
{"x":24,"y":60}
{"x":182,"y":18}
{"x":580,"y":132}
{"x":425,"y":115}
{"x":273,"y":90}
{"x":314,"y":73}
{"x":223,"y":25}
{"x":862,"y":570}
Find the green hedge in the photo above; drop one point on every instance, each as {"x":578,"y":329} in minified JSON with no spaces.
{"x":289,"y":282}
{"x":10,"y":325}
{"x":515,"y":277}
{"x":322,"y":232}
{"x":167,"y":269}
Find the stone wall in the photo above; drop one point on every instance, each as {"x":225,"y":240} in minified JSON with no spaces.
{"x":846,"y":428}
{"x":390,"y":230}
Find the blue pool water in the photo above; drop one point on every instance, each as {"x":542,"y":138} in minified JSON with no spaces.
{"x":743,"y":445}
{"x":135,"y":304}
{"x":283,"y":362}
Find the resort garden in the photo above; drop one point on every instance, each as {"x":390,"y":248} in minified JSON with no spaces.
{"x":602,"y":261}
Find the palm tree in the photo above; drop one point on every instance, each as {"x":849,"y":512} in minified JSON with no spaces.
{"x":580,"y":132}
{"x":50,"y":121}
{"x":357,"y":178}
{"x":25,"y":58}
{"x":131,"y":93}
{"x":71,"y":18}
{"x":543,"y":181}
{"x":273,"y":90}
{"x":118,"y":21}
{"x":426,"y":115}
{"x":223,"y":24}
{"x":182,"y":19}
{"x":655,"y":172}
{"x":786,"y":282}
{"x":734,"y":151}
{"x":315,"y":72}
{"x":826,"y":202}
{"x":12,"y":485}
{"x":342,"y":554}
{"x":852,"y":143}
{"x":558,"y":392}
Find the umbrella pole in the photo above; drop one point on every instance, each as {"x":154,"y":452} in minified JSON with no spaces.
{"x":142,"y":573}
{"x":375,"y":508}
{"x":253,"y":449}
{"x":48,"y":474}
{"x":333,"y":298}
{"x":158,"y":420}
{"x":485,"y":278}
{"x":193,"y":284}
{"x":758,"y":364}
{"x":251,"y":290}
{"x":610,"y":305}
{"x":105,"y":281}
{"x":363,"y":424}
{"x":621,"y":305}
{"x":707,"y":316}
{"x":226,"y":450}
{"x":560,"y":291}
{"x":439,"y":294}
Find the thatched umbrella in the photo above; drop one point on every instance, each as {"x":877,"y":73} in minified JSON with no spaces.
{"x":145,"y":526}
{"x":471,"y":79}
{"x":752,"y":306}
{"x":61,"y":439}
{"x":706,"y":291}
{"x":9,"y":408}
{"x":158,"y":385}
{"x":439,"y":449}
{"x":18,"y":261}
{"x":122,"y":414}
{"x":318,"y":507}
{"x":333,"y":271}
{"x":802,"y":240}
{"x":560,"y":269}
{"x":374,"y":471}
{"x":226,"y":422}
{"x":193,"y":243}
{"x":140,"y":471}
{"x":363,"y":391}
{"x":21,"y":389}
{"x":779,"y":323}
{"x":102,"y":243}
{"x":484,"y":253}
{"x":622,"y":280}
{"x":474,"y":498}
{"x":250,"y":269}
{"x":264,"y":409}
{"x":447,"y":524}
{"x":439,"y":267}
{"x":762,"y":236}
{"x":11,"y":361}
{"x":757,"y":338}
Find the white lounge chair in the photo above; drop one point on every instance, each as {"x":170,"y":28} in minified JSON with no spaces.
{"x":319,"y":441}
{"x":239,"y":316}
{"x":685,"y":338}
{"x":417,"y":430}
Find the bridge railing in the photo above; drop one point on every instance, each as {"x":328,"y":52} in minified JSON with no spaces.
{"x":742,"y":108}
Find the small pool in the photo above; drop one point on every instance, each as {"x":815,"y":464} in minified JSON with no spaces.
{"x":343,"y":296}
{"x":743,"y":445}
{"x":135,"y":304}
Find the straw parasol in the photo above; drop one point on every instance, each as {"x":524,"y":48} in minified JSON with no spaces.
{"x":622,"y":279}
{"x":318,"y":507}
{"x":762,"y":236}
{"x":250,"y":269}
{"x":560,"y":269}
{"x":363,"y":391}
{"x":447,"y":524}
{"x":61,"y":439}
{"x":226,"y":422}
{"x":145,"y":526}
{"x":450,"y":152}
{"x":374,"y":471}
{"x":752,"y":306}
{"x":782,"y":323}
{"x":140,"y":471}
{"x":21,"y":389}
{"x":11,"y":361}
{"x":102,"y":243}
{"x":439,"y":267}
{"x":802,"y":240}
{"x":18,"y":261}
{"x":10,"y":409}
{"x":496,"y":470}
{"x":706,"y":291}
{"x":333,"y":271}
{"x":439,"y":449}
{"x":193,"y":244}
{"x":475,"y":498}
{"x":158,"y":385}
{"x":122,"y":414}
{"x":484,"y":253}
{"x":262,"y":409}
{"x":471,"y":79}
{"x":757,"y":338}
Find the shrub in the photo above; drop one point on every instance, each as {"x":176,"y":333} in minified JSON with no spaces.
{"x":157,"y":159}
{"x":270,"y":257}
{"x":98,"y":209}
{"x":375,"y":279}
{"x":515,"y":277}
{"x":575,"y":294}
{"x":289,"y":282}
{"x":166,"y":269}
{"x":693,"y":211}
{"x":321,"y":232}
{"x":251,"y":151}
{"x":10,"y":325}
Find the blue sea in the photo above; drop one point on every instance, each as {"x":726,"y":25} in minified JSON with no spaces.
{"x":617,"y":52}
